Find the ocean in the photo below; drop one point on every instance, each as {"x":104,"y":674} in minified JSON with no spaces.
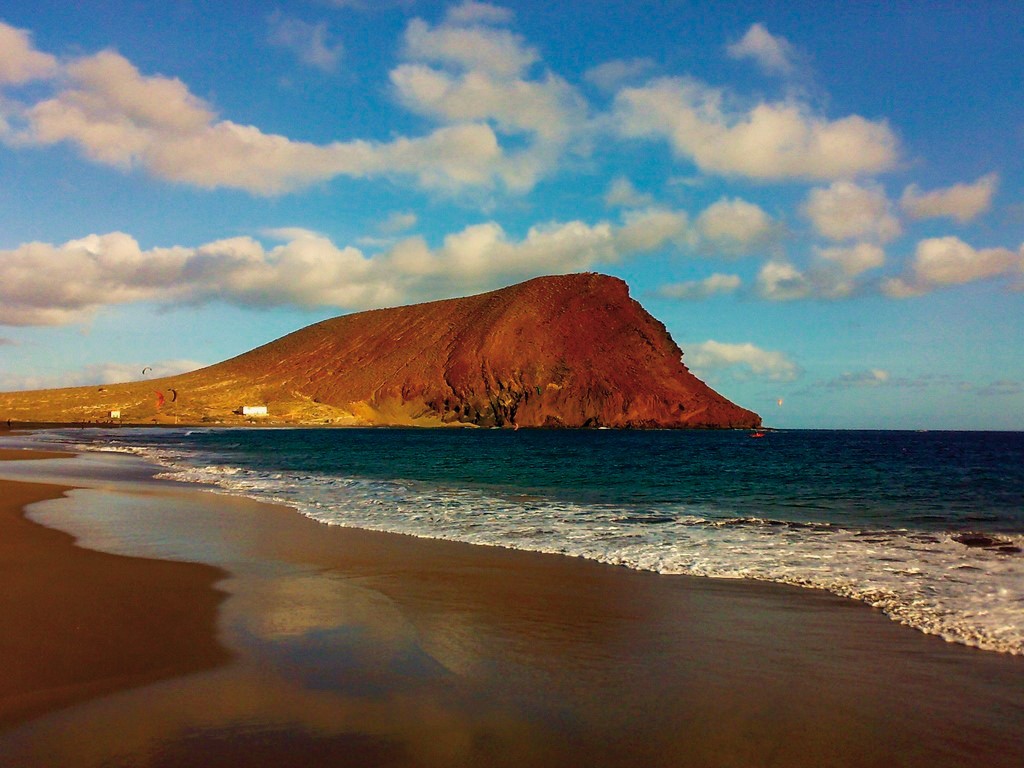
{"x":926,"y":526}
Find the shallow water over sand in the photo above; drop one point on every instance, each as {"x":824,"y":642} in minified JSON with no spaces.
{"x":390,"y":650}
{"x":928,"y":527}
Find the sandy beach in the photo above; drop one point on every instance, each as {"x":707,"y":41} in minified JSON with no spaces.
{"x":287,"y":642}
{"x":79,"y":623}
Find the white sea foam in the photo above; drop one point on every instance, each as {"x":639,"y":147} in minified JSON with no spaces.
{"x":929,"y":581}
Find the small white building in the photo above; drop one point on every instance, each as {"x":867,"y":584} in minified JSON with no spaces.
{"x":115,"y":414}
{"x":254,"y":410}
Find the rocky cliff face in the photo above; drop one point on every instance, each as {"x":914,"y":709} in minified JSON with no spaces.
{"x":567,"y":351}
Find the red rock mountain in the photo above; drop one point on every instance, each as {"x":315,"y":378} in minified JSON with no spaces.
{"x":567,"y":351}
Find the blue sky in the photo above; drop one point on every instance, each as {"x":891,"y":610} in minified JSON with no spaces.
{"x":823,"y":202}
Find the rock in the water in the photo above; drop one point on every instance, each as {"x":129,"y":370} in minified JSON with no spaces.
{"x":984,"y":541}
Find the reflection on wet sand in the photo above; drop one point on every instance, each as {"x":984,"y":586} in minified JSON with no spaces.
{"x":359,"y":648}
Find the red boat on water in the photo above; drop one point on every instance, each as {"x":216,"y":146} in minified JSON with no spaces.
{"x":757,"y":433}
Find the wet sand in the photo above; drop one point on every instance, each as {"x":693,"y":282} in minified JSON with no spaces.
{"x":75,"y":623}
{"x":360,"y":648}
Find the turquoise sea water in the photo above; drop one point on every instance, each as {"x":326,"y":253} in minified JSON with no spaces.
{"x":928,"y":526}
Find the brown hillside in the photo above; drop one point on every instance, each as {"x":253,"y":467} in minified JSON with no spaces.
{"x":570,"y":351}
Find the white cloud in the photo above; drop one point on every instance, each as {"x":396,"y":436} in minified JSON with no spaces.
{"x":497,"y":52}
{"x":847,"y":211}
{"x":622,"y":194}
{"x":114,"y":99}
{"x":853,"y":260}
{"x":120,"y":117}
{"x":945,"y":261}
{"x":611,"y":75}
{"x":773,"y":54}
{"x":649,"y":229}
{"x":711,"y":356}
{"x":781,"y":281}
{"x":471,"y":12}
{"x":961,"y":202}
{"x":312,"y":43}
{"x":833,"y":274}
{"x":44,"y":284}
{"x":836,"y":271}
{"x":99,"y":373}
{"x":460,"y":74}
{"x":20,"y":62}
{"x":547,"y":108}
{"x":769,"y":141}
{"x":733,"y":226}
{"x":713,"y":285}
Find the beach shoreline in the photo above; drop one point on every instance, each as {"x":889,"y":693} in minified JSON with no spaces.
{"x":79,"y":623}
{"x":405,"y":651}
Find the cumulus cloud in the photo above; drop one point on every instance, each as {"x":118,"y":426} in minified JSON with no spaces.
{"x":118,"y":116}
{"x":505,"y":121}
{"x":622,"y":194}
{"x":45,"y":284}
{"x":846,"y":211}
{"x":944,"y":261}
{"x":713,"y":356}
{"x":650,"y":228}
{"x":773,"y":54}
{"x":770,"y":141}
{"x":834,"y":274}
{"x":470,"y":46}
{"x":961,"y":202}
{"x":461,"y":71}
{"x":612,"y":75}
{"x":20,"y":62}
{"x":853,"y":260}
{"x":779,"y":280}
{"x":546,"y":108}
{"x":836,"y":271}
{"x":716,"y":284}
{"x":313,"y":44}
{"x":733,"y":226}
{"x":98,"y":373}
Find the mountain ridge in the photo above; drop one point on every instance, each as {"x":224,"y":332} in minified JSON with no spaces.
{"x":564,"y":351}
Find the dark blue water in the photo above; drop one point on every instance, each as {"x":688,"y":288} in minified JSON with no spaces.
{"x":929,"y":480}
{"x":926,"y":526}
